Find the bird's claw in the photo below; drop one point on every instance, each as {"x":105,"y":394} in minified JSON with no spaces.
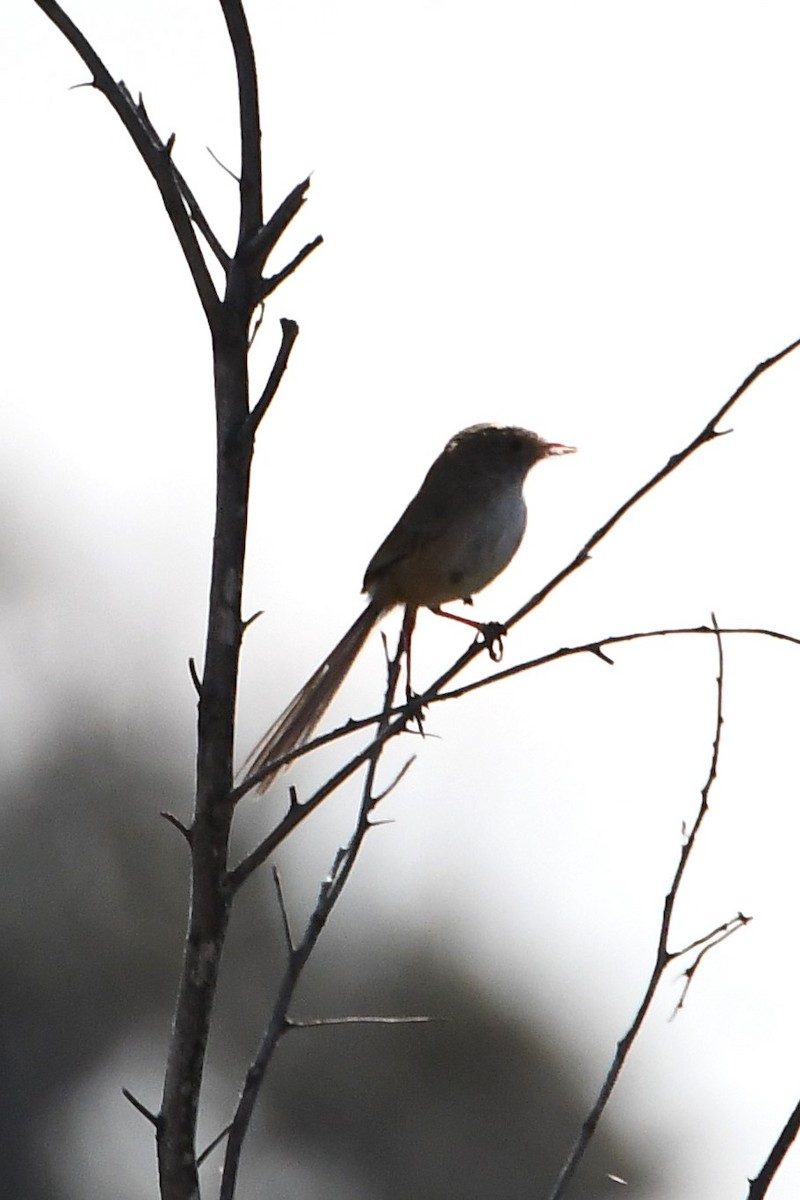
{"x":415,"y":711}
{"x":493,"y":633}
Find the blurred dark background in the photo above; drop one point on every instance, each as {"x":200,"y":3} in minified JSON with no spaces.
{"x":94,"y":886}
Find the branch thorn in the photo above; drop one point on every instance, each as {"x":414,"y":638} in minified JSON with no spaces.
{"x":198,"y":686}
{"x":140,"y":1108}
{"x":221,"y":164}
{"x":246,"y":624}
{"x":171,"y":819}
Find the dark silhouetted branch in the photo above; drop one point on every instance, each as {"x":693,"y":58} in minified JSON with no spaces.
{"x":265,"y":239}
{"x":290,"y":331}
{"x":154,"y":152}
{"x":140,"y":1108}
{"x":250,"y":187}
{"x":275,"y":281}
{"x":760,"y":1185}
{"x":663,"y":956}
{"x":298,"y":955}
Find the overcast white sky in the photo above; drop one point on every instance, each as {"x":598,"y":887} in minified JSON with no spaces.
{"x":577,"y":217}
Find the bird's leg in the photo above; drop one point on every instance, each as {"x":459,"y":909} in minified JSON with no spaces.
{"x":492,"y":632}
{"x":409,"y":621}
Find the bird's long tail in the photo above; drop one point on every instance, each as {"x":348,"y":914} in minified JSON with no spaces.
{"x":299,"y":720}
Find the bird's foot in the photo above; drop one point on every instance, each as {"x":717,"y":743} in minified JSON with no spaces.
{"x":492,"y":634}
{"x":415,"y":711}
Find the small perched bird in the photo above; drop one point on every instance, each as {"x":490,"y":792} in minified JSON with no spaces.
{"x":459,"y":532}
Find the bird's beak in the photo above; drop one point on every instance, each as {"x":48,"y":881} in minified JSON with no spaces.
{"x":557,"y":448}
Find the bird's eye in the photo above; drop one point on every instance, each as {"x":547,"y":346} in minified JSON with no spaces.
{"x":516,"y":444}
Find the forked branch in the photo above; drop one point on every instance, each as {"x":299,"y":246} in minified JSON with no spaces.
{"x":155,"y":153}
{"x":663,"y":956}
{"x":298,"y":953}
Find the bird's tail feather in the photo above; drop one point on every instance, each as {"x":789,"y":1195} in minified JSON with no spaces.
{"x":298,"y":721}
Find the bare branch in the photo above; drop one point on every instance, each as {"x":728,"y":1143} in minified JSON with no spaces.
{"x":434,"y":693}
{"x":715,"y":935}
{"x":760,"y":1185}
{"x":267,"y":236}
{"x":596,"y":649}
{"x":403,"y":713}
{"x":707,"y":434}
{"x":140,"y":1108}
{"x":250,"y":189}
{"x":252,"y":619}
{"x":195,"y":678}
{"x":329,"y":893}
{"x":199,"y":218}
{"x":211,"y":1147}
{"x":290,"y":331}
{"x":221,"y":164}
{"x":274,"y":281}
{"x":298,"y":812}
{"x":154,"y":152}
{"x":324,"y":1022}
{"x":662,"y":959}
{"x":195,"y":211}
{"x":399,"y":777}
{"x":257,"y":323}
{"x":171,"y":819}
{"x":287,"y":929}
{"x":707,"y":943}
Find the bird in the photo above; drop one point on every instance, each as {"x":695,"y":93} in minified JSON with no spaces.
{"x":457,"y":534}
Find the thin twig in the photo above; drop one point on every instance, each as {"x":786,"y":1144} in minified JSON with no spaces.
{"x":140,"y":1108}
{"x":274,"y":281}
{"x":432,"y":694}
{"x":760,"y":1185}
{"x":221,"y":164}
{"x":266,"y":238}
{"x":329,"y":894}
{"x":662,"y":959}
{"x":198,"y":686}
{"x":708,"y":433}
{"x":290,"y":331}
{"x":257,"y":323}
{"x":201,"y":221}
{"x":708,"y":943}
{"x":195,"y":211}
{"x":249,"y":621}
{"x":324,"y":1022}
{"x":152,"y":150}
{"x":596,"y":649}
{"x":287,"y":929}
{"x":250,"y":189}
{"x":171,"y":819}
{"x":298,"y":812}
{"x":399,"y":777}
{"x":721,"y":932}
{"x":211,"y":1147}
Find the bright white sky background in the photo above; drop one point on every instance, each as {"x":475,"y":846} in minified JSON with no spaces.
{"x":578,"y":217}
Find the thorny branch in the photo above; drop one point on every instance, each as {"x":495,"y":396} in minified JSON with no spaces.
{"x":399,"y":723}
{"x":663,"y":955}
{"x":250,"y":187}
{"x":434,"y":692}
{"x":155,"y":153}
{"x":298,"y":953}
{"x":760,"y":1185}
{"x":207,"y":836}
{"x":229,"y":321}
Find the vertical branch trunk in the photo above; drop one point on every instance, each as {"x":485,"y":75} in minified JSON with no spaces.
{"x":228,"y":320}
{"x":210,"y":832}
